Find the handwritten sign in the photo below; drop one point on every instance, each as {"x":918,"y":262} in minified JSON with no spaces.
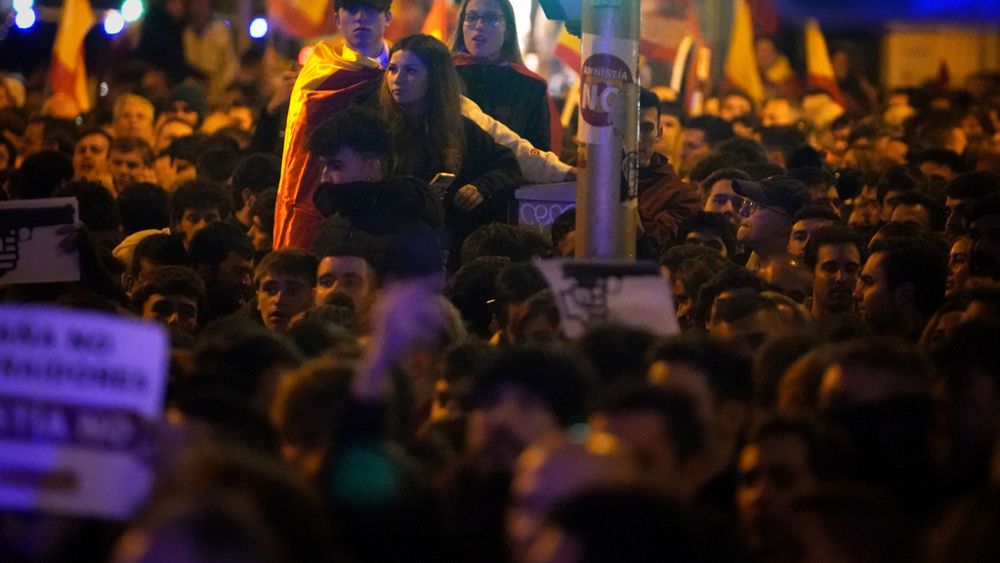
{"x":78,"y":391}
{"x":598,"y":292}
{"x":29,"y":242}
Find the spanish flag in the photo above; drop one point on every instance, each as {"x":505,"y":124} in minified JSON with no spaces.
{"x":818,"y":66}
{"x":438,"y":23}
{"x":330,"y":80}
{"x":741,"y":61}
{"x":68,"y":74}
{"x":568,"y":49}
{"x":303,"y":18}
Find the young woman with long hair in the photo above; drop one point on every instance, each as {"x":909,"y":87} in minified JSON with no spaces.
{"x":420,"y":99}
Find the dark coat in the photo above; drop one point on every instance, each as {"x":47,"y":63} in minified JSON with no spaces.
{"x":368,"y":215}
{"x":513,"y":96}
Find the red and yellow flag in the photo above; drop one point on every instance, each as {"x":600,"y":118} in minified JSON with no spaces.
{"x":438,"y":23}
{"x":327,"y":84}
{"x":303,"y":18}
{"x":568,"y":49}
{"x":818,"y":66}
{"x":741,"y":61}
{"x":68,"y":74}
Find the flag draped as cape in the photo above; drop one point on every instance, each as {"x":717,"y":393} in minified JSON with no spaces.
{"x":327,"y":84}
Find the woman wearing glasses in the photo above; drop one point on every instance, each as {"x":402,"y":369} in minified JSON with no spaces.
{"x":488,"y":59}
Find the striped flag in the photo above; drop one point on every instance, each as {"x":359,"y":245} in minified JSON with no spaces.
{"x":741,"y":61}
{"x":68,"y":73}
{"x":304,"y":19}
{"x":818,"y":66}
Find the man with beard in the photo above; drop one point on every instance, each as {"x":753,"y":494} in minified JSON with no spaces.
{"x":835,"y":254}
{"x":223,"y":257}
{"x":900,"y":287}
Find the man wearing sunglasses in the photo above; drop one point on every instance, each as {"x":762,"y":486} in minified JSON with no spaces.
{"x":766,"y":209}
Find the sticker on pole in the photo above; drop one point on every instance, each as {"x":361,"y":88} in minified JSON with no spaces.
{"x":78,"y":394}
{"x":605,"y":74}
{"x":591,"y":293}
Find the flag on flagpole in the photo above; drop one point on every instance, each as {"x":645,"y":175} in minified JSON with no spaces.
{"x":302,"y":18}
{"x":741,"y":61}
{"x":818,"y":67}
{"x":438,"y":21}
{"x":68,"y":74}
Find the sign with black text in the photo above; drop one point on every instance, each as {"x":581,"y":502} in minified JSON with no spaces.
{"x":78,"y":393}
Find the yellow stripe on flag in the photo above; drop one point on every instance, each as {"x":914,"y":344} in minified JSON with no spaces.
{"x":68,"y":74}
{"x":741,"y":60}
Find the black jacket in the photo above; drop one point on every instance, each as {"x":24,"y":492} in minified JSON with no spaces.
{"x":512,"y":98}
{"x":368,"y":215}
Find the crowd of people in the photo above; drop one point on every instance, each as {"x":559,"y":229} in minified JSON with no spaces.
{"x":367,"y":365}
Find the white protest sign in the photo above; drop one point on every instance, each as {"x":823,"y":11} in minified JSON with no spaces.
{"x":29,"y":242}
{"x":598,"y":292}
{"x":78,"y":391}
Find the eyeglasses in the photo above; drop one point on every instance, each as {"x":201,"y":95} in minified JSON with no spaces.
{"x":748,"y":207}
{"x":489,"y":19}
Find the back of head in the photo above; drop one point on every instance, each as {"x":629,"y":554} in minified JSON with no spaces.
{"x":216,"y":165}
{"x":554,"y":379}
{"x":728,"y":372}
{"x":496,"y":239}
{"x":257,"y":172}
{"x":921,"y":264}
{"x":617,"y":353}
{"x":357,"y":128}
{"x":161,"y":250}
{"x":144,"y":206}
{"x":169,"y":280}
{"x":40,"y":175}
{"x":472,"y":290}
{"x":211,"y":245}
{"x":96,"y":204}
{"x":681,"y":423}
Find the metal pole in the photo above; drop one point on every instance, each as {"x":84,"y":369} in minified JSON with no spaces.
{"x":609,"y":110}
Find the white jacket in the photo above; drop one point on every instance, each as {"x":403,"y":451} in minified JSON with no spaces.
{"x":537,"y":167}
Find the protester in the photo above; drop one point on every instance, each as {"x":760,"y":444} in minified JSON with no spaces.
{"x":421,"y":385}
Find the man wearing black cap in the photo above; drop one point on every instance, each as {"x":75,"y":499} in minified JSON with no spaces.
{"x":766,"y":212}
{"x":187,"y":102}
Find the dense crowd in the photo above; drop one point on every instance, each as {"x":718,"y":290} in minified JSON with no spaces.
{"x":367,"y":365}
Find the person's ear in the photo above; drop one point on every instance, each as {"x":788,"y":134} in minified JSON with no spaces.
{"x":373,"y":170}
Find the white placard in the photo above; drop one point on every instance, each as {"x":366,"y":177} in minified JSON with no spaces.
{"x":598,"y":292}
{"x":29,"y":244}
{"x":78,"y":392}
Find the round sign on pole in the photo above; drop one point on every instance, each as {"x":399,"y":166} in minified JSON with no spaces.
{"x":604,"y":77}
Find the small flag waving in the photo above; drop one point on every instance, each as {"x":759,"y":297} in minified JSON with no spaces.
{"x":741,"y":60}
{"x":818,"y":66}
{"x":68,"y":74}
